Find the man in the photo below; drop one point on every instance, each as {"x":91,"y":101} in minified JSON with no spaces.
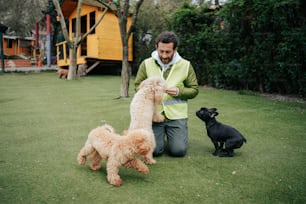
{"x":182,"y":85}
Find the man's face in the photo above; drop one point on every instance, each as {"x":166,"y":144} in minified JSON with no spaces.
{"x":165,"y":52}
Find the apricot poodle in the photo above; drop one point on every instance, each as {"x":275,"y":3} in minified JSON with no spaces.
{"x":104,"y":144}
{"x":62,"y":73}
{"x":143,"y":109}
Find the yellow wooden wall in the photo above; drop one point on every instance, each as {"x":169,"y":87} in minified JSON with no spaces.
{"x":105,"y":44}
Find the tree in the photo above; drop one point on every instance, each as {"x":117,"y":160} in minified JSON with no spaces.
{"x":15,"y":14}
{"x":269,"y":40}
{"x":125,"y":34}
{"x":77,"y":40}
{"x":147,"y":29}
{"x":122,"y":10}
{"x":198,"y":47}
{"x":247,"y":44}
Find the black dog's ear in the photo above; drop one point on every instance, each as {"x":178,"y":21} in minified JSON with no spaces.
{"x":213,"y":112}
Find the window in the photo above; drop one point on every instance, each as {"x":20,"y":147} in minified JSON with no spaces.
{"x":92,"y":21}
{"x":73,"y":25}
{"x":83,"y":24}
{"x":25,"y":43}
{"x":9,"y":43}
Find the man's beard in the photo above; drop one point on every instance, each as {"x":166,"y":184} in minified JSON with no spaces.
{"x":166,"y":60}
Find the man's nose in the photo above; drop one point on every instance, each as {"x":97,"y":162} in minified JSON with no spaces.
{"x":164,"y":55}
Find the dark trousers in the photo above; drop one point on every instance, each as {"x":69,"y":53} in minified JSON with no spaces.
{"x":176,"y":133}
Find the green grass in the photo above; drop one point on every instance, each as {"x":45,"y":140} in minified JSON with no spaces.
{"x":44,"y":122}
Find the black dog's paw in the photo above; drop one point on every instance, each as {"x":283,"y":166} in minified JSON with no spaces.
{"x":215,"y":153}
{"x":225,"y":153}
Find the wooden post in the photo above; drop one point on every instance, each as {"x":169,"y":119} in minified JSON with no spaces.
{"x":2,"y":54}
{"x":3,"y":28}
{"x":48,"y":19}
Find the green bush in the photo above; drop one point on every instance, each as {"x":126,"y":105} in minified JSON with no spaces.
{"x":261,"y":45}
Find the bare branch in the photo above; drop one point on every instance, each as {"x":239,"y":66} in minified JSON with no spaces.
{"x":134,"y":18}
{"x":78,"y":22}
{"x":62,"y":21}
{"x":94,"y":26}
{"x":110,"y":6}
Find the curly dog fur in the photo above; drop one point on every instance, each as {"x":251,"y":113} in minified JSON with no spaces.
{"x":104,"y":144}
{"x":62,"y":73}
{"x":143,"y":109}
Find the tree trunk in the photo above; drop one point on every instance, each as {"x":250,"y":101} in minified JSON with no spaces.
{"x":260,"y":84}
{"x":73,"y":63}
{"x":122,"y":13}
{"x":77,"y":39}
{"x":125,"y":76}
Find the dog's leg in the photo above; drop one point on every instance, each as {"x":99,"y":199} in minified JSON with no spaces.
{"x":220,"y":148}
{"x":85,"y":151}
{"x":138,"y":165}
{"x":215,"y":153}
{"x":230,"y":152}
{"x":148,"y":159}
{"x":112,"y":169}
{"x":221,"y":145}
{"x":95,"y":160}
{"x":227,"y":153}
{"x":158,"y":118}
{"x":230,"y":145}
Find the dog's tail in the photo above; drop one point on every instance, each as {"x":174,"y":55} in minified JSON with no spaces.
{"x":244,"y":140}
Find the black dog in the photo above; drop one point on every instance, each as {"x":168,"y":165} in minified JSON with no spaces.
{"x":220,"y":133}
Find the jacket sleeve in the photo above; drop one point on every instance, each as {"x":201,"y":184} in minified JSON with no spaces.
{"x":141,"y":75}
{"x":191,"y":87}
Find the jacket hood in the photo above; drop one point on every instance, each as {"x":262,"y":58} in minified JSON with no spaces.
{"x":175,"y":59}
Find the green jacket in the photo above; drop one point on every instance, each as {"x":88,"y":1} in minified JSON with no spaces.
{"x":188,"y":91}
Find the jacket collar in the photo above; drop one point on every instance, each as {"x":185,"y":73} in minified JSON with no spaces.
{"x":175,"y":59}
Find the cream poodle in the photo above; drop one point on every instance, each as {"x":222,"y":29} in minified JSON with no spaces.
{"x":104,"y":144}
{"x":143,"y":109}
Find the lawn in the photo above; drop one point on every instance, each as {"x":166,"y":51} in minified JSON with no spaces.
{"x":44,"y":122}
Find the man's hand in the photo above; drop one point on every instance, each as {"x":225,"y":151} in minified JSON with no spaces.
{"x":173,"y":91}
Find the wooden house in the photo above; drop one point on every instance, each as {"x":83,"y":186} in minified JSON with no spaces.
{"x":14,"y":45}
{"x":102,"y":46}
{"x":18,"y":51}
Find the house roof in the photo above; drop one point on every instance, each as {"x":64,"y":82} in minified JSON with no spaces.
{"x":68,"y":6}
{"x":18,"y":37}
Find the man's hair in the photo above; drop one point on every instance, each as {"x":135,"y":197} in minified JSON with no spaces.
{"x":167,"y":37}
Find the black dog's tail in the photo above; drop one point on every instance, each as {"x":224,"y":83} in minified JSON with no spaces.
{"x":244,"y":140}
